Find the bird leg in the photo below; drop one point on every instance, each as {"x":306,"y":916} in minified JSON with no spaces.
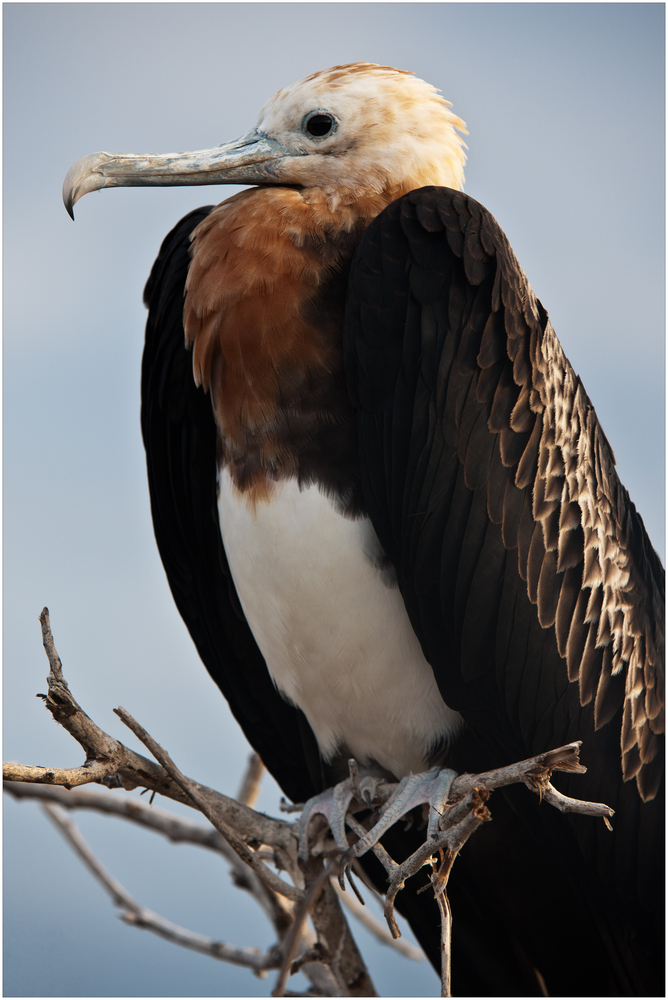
{"x":333,"y":804}
{"x":361,"y":790}
{"x":457,"y":807}
{"x":454,"y":801}
{"x":431,"y":787}
{"x":357,"y":792}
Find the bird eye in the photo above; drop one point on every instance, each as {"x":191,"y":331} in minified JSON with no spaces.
{"x":319,"y":124}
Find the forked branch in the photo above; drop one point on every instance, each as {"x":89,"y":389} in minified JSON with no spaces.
{"x":140,"y":916}
{"x":248,"y":840}
{"x":251,"y":841}
{"x":464,"y":812}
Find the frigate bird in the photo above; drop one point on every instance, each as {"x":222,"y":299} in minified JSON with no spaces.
{"x":392,"y":522}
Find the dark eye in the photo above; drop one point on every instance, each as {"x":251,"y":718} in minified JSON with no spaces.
{"x":319,"y":124}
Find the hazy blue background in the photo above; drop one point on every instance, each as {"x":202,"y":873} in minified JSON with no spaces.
{"x":564,"y":104}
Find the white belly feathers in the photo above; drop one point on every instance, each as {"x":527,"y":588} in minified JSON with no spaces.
{"x":337,"y":640}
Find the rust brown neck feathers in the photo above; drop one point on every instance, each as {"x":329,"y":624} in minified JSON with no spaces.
{"x":264,"y":314}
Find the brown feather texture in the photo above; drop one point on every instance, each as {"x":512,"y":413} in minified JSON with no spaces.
{"x":264,"y":264}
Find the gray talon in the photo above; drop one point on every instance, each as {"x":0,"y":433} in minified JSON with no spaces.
{"x":431,"y":787}
{"x":333,"y":805}
{"x":438,"y":799}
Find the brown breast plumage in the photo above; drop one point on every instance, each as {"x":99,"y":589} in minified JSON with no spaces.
{"x":264,"y":314}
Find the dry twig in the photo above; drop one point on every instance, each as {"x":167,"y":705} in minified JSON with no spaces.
{"x":175,"y":828}
{"x":334,"y":966}
{"x":292,"y":940}
{"x":110,"y":762}
{"x":250,"y":786}
{"x":372,"y":924}
{"x":133,"y":913}
{"x":333,"y":962}
{"x":204,"y":804}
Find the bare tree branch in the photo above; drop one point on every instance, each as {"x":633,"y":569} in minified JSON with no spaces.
{"x":204,"y":804}
{"x":565,"y":804}
{"x":247,"y":839}
{"x":439,"y":881}
{"x":69,"y":777}
{"x":175,"y":828}
{"x":109,"y":761}
{"x":374,"y":925}
{"x":122,"y":767}
{"x":250,"y":786}
{"x":535,"y":774}
{"x":140,"y":916}
{"x":331,"y":926}
{"x":180,"y":830}
{"x":300,"y":917}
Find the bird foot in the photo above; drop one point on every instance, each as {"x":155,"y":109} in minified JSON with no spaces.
{"x":364,"y":790}
{"x":430,"y":787}
{"x":333,"y":805}
{"x":368,"y":791}
{"x":451,"y":822}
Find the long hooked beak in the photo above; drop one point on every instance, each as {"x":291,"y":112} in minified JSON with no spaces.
{"x":253,"y":159}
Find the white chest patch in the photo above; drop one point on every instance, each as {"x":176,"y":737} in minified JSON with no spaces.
{"x":337,"y":640}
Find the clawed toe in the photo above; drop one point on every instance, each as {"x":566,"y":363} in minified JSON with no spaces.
{"x":430,"y":787}
{"x":333,"y":804}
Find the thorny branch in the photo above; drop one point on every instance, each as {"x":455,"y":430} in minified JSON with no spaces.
{"x":250,"y":841}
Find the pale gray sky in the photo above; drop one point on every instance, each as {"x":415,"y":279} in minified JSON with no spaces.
{"x":565,"y":109}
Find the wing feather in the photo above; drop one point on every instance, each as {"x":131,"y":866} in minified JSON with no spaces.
{"x":524,"y":566}
{"x":504,"y":391}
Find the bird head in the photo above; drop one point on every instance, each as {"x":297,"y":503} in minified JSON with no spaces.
{"x":341,"y":134}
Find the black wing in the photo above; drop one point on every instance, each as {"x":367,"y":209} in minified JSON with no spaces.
{"x":180,"y":440}
{"x":524,"y":566}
